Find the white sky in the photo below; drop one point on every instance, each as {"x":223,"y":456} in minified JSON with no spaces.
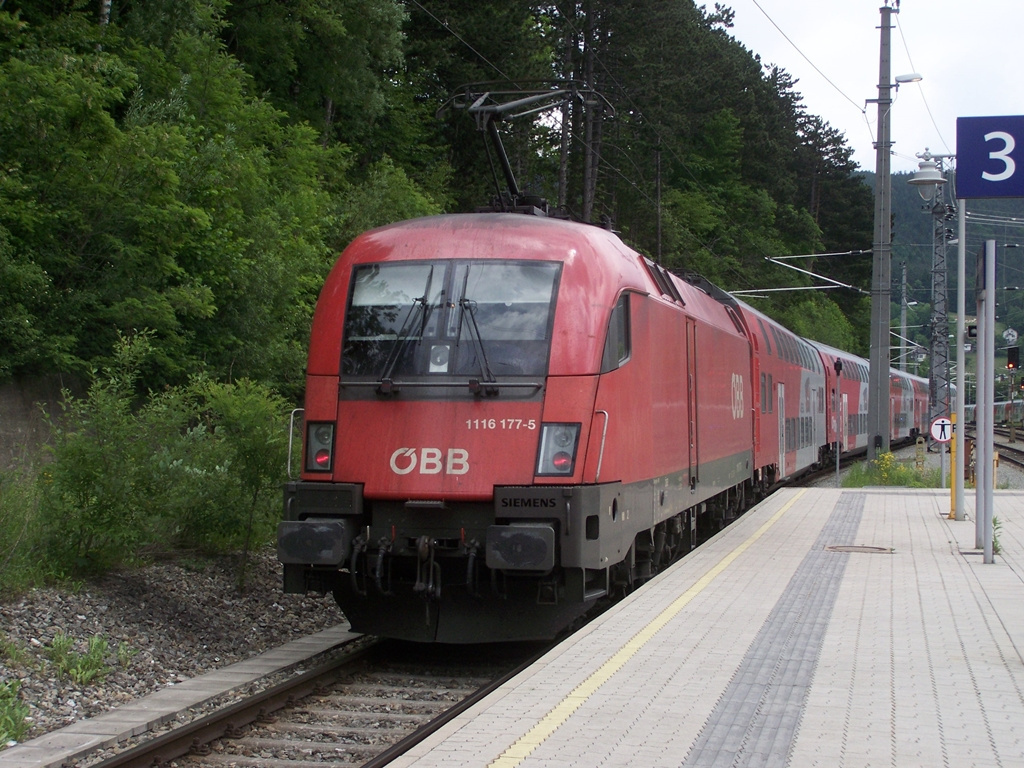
{"x":968,"y":51}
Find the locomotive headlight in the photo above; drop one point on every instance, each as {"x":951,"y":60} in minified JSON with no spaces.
{"x":319,"y":447}
{"x":556,"y":454}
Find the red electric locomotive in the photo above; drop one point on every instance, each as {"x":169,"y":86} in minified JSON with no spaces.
{"x":508,"y":418}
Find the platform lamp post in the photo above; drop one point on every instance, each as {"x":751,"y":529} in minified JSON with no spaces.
{"x":929,"y":180}
{"x":879,"y":413}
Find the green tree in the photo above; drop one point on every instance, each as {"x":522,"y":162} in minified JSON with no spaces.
{"x":143,"y":187}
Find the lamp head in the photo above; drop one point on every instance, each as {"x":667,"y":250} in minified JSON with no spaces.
{"x":913,"y":77}
{"x":928,"y":178}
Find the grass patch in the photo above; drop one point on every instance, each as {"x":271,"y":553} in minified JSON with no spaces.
{"x":13,"y":712}
{"x":82,"y":668}
{"x":888,"y":470}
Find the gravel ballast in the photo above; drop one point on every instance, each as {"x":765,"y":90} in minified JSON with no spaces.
{"x":162,"y":624}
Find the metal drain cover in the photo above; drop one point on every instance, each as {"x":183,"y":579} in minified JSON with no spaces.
{"x":860,"y":548}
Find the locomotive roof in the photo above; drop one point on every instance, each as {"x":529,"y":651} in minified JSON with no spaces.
{"x":597,"y":267}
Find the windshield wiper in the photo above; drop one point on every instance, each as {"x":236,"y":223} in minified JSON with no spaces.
{"x":469,"y":309}
{"x":417,"y":314}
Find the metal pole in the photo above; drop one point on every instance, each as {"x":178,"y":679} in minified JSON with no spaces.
{"x":961,"y":363}
{"x":881,"y":278}
{"x":938,"y":368}
{"x":990,"y":364}
{"x":980,"y":415}
{"x":953,"y":449}
{"x":903,"y":319}
{"x":983,"y":449}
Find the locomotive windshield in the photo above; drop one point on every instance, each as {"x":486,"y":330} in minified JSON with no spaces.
{"x":482,"y":319}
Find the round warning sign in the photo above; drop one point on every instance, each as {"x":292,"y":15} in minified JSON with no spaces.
{"x":942,"y":430}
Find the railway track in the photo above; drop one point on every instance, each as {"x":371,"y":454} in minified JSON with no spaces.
{"x":362,"y":708}
{"x":1008,"y":452}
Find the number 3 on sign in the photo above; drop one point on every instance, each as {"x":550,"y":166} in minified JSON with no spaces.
{"x":1003,"y":156}
{"x":987,"y":154}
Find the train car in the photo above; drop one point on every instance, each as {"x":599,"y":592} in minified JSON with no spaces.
{"x":908,"y":405}
{"x":789,"y":407}
{"x":850,"y":413}
{"x":1004,"y":412}
{"x":1009,"y":411}
{"x":509,"y":418}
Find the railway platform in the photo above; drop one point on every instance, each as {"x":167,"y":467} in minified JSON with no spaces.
{"x":826,"y":627}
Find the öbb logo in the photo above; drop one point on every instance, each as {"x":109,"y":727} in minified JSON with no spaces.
{"x":737,"y":396}
{"x":428,"y":460}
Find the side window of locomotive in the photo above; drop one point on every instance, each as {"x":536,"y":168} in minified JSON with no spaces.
{"x":617,"y":347}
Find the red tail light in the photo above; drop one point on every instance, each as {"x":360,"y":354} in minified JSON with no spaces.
{"x":319,"y":447}
{"x":556,"y":454}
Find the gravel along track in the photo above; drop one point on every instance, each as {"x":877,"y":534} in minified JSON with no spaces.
{"x":398,"y":689}
{"x":163,"y":624}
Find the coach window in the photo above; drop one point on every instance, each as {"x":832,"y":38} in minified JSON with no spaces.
{"x":617,"y":346}
{"x":764,"y":333}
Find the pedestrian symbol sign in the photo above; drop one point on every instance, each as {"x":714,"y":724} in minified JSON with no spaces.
{"x":942,"y":430}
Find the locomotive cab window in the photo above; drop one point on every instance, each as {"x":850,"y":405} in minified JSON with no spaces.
{"x":617,"y":348}
{"x":480,"y":319}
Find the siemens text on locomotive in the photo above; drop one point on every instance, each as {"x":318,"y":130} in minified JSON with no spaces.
{"x":509,"y":418}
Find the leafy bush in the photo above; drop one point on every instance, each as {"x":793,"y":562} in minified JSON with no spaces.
{"x":219,"y":476}
{"x":19,"y":530}
{"x":190,"y":467}
{"x":91,"y":509}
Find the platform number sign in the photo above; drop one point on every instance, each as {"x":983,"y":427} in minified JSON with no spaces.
{"x":990,"y":157}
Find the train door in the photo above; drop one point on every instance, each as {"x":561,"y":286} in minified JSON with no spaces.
{"x":782,"y":430}
{"x":758,"y":406}
{"x":844,"y":423}
{"x":691,"y":398}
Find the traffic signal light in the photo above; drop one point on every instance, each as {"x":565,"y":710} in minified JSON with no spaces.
{"x":1013,"y":358}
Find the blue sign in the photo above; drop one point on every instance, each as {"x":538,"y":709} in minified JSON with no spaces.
{"x":990,"y":157}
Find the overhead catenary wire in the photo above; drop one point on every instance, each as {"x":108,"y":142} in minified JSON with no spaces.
{"x":462,"y":40}
{"x":808,"y":60}
{"x":738,"y":276}
{"x":741,"y":278}
{"x":611,"y":168}
{"x":927,"y":107}
{"x":863,"y":110}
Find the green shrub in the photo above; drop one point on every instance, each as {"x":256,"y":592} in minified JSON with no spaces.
{"x":20,"y":564}
{"x":191,"y":467}
{"x":90,"y":506}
